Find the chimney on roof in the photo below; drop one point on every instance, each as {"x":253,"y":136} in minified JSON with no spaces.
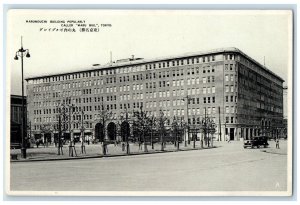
{"x":132,"y":57}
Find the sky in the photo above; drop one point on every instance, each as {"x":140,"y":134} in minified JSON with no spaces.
{"x":145,"y":34}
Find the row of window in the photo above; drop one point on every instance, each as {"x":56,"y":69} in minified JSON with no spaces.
{"x":190,"y":71}
{"x":230,"y":67}
{"x":229,"y":77}
{"x":136,"y":68}
{"x":148,"y":95}
{"x":188,"y":61}
{"x":190,"y":81}
{"x":231,"y":98}
{"x":230,"y":88}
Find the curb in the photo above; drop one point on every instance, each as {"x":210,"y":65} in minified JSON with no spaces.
{"x":108,"y":156}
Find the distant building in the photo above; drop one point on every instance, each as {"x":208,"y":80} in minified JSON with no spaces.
{"x":16,"y":119}
{"x":285,"y":111}
{"x":243,"y":97}
{"x":285,"y":102}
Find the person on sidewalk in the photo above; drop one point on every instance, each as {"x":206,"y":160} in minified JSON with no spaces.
{"x":123,"y":146}
{"x":227,"y":138}
{"x":277,"y":143}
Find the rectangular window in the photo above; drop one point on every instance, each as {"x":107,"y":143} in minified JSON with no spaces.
{"x":204,"y":79}
{"x":204,"y":100}
{"x":193,"y":91}
{"x":213,"y":89}
{"x":226,"y":109}
{"x":232,"y":109}
{"x":227,"y":119}
{"x":226,"y":78}
{"x":209,"y":110}
{"x":226,"y":88}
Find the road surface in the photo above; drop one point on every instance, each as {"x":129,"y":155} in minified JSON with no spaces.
{"x":226,"y":168}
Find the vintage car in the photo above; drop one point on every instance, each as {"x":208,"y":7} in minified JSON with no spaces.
{"x":256,"y":142}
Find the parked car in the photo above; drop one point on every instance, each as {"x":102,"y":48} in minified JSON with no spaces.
{"x":257,"y":142}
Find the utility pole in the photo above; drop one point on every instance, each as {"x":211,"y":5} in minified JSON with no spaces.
{"x":82,"y":135}
{"x":143,"y":129}
{"x":152,"y":121}
{"x":220,"y":132}
{"x":187,"y":114}
{"x":71,"y":145}
{"x":60,"y":150}
{"x":206,"y":140}
{"x":127,"y":140}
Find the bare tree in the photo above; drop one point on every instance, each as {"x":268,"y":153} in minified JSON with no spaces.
{"x":103,"y":116}
{"x":141,"y":125}
{"x":124,"y":130}
{"x":152,"y":121}
{"x":177,"y":129}
{"x":208,"y":127}
{"x":46,"y":129}
{"x":161,"y":125}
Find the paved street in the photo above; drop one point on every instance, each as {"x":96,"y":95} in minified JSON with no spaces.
{"x":229,"y":167}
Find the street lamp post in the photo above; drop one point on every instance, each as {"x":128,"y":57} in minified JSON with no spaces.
{"x":21,"y":53}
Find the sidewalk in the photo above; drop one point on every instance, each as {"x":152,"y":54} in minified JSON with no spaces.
{"x":95,"y":151}
{"x":272,"y":148}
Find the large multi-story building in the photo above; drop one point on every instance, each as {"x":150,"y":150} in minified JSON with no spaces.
{"x":243,"y":97}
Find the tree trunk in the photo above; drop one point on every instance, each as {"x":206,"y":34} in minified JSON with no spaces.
{"x":104,"y":148}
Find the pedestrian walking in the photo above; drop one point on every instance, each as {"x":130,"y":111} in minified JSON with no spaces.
{"x":123,"y":146}
{"x":227,"y":138}
{"x":277,"y":143}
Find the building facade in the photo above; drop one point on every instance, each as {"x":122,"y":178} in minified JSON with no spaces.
{"x":241,"y":96}
{"x":16,"y":116}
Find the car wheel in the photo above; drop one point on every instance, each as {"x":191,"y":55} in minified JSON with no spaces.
{"x":257,"y":146}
